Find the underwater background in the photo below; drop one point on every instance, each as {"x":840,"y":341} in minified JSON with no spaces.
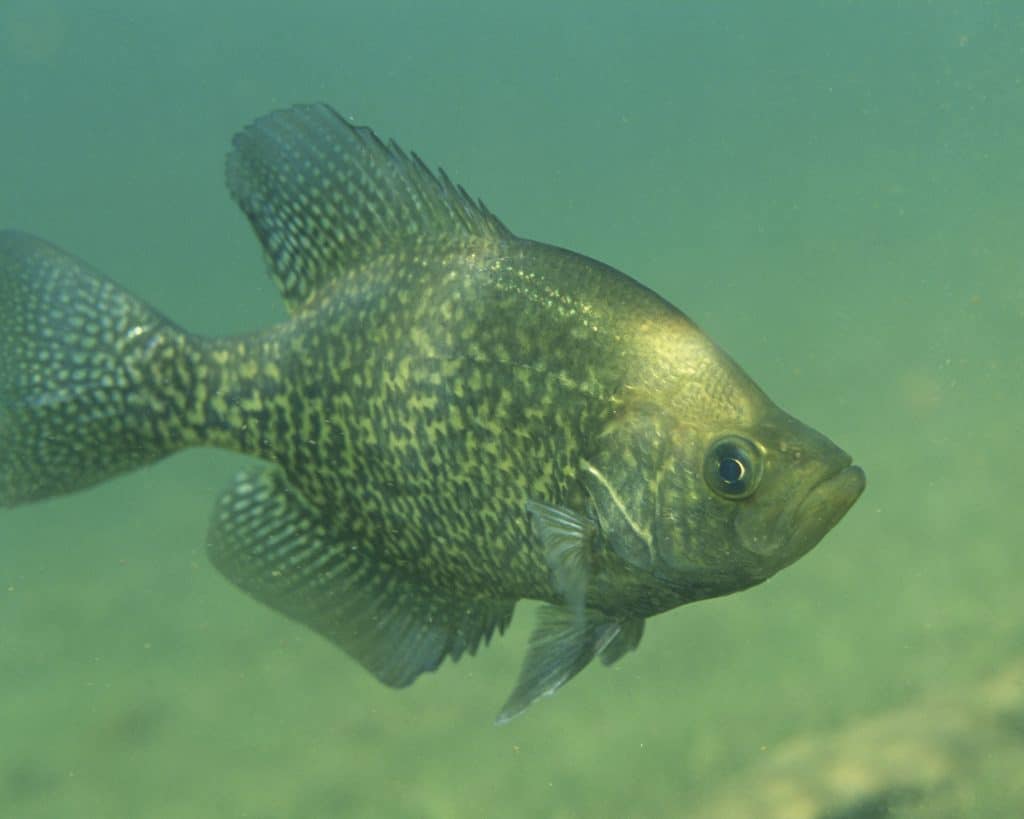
{"x":832,"y":190}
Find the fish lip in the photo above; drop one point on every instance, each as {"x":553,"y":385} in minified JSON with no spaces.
{"x":823,"y":507}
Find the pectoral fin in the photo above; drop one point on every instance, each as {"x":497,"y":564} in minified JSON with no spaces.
{"x":562,"y":644}
{"x":567,"y":539}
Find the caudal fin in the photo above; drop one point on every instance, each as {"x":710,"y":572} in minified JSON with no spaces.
{"x":79,"y":358}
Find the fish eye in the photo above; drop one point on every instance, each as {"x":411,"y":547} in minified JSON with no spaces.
{"x":732,"y":467}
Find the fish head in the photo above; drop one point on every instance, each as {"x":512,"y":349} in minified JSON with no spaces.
{"x":716,"y":490}
{"x":795,"y":487}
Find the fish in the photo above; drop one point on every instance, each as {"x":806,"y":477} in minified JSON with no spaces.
{"x":451,"y":419}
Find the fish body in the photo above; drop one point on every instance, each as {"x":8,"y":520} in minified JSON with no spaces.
{"x":454,"y":419}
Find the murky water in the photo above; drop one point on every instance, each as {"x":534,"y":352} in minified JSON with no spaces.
{"x":832,"y":190}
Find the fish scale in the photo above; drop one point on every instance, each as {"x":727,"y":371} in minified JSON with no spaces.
{"x":453,"y":419}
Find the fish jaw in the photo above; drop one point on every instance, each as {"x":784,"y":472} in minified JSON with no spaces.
{"x":822,"y":508}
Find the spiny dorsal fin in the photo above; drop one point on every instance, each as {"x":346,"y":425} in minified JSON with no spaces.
{"x":325,"y":196}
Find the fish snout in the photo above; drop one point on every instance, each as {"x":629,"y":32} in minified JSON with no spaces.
{"x":823,"y":507}
{"x":809,"y":512}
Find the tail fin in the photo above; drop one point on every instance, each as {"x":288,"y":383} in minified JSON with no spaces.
{"x":78,"y":361}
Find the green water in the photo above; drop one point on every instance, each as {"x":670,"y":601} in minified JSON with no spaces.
{"x":832,"y":190}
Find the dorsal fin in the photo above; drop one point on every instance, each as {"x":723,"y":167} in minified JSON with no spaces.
{"x":325,"y":196}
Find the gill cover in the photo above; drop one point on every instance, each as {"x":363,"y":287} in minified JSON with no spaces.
{"x":624,"y":479}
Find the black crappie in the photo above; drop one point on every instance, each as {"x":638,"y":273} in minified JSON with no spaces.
{"x":455,"y":419}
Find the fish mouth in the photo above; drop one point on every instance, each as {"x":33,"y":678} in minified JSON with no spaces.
{"x":823,"y":507}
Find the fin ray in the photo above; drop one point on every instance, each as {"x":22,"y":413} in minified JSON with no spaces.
{"x":567,"y":538}
{"x":627,"y":639}
{"x":562,"y":644}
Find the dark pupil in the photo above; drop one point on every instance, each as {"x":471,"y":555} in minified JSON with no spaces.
{"x":730,"y":470}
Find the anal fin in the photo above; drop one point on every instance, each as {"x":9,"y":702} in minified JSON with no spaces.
{"x":266,"y":539}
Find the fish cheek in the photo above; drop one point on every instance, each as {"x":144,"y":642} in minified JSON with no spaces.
{"x":695,"y":530}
